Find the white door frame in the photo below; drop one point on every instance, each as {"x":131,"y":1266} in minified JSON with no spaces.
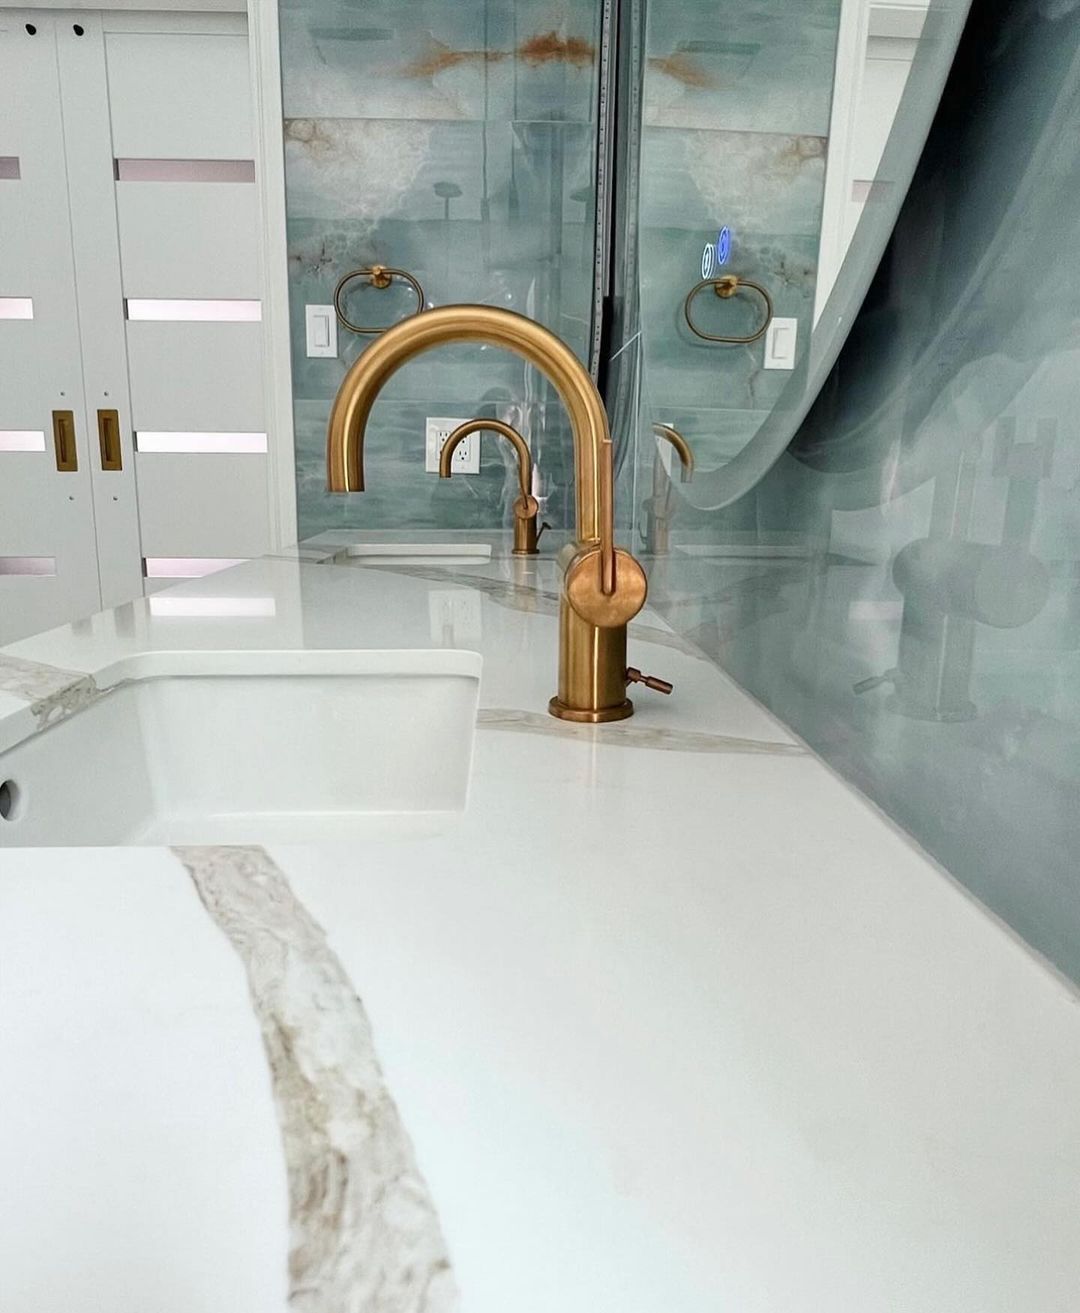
{"x":897,"y":23}
{"x":851,"y":39}
{"x":264,"y":46}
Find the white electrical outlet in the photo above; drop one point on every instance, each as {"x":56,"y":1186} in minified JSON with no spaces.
{"x":466,"y":454}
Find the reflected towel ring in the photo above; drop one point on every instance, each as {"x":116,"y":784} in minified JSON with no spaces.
{"x":726,"y":287}
{"x":380,"y":276}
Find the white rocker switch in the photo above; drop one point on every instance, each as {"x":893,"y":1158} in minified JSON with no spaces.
{"x":781,"y":338}
{"x":321,"y":330}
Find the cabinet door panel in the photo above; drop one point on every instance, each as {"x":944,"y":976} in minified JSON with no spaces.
{"x":92,"y":194}
{"x":179,"y":95}
{"x":48,"y":559}
{"x":81,"y":239}
{"x":180,"y":111}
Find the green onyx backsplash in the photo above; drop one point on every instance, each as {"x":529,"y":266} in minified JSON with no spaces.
{"x":455,"y":141}
{"x":458,"y":141}
{"x":736,"y":107}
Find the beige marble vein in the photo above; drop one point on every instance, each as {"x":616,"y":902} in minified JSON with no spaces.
{"x":628,"y":735}
{"x":527,"y":598}
{"x":365,"y":1237}
{"x":52,"y":692}
{"x":530,"y":598}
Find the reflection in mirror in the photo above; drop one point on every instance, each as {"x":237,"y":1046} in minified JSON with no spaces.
{"x":880,"y":93}
{"x":917,"y":616}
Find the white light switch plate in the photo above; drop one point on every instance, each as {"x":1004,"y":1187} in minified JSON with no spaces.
{"x":781,"y":339}
{"x":320,"y":324}
{"x":466,"y":454}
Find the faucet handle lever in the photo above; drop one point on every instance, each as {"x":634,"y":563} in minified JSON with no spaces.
{"x":634,"y":676}
{"x":583,"y":585}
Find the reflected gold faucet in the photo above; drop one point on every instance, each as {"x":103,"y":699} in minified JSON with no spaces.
{"x":604,"y":586}
{"x":658,"y":508}
{"x":526,"y":506}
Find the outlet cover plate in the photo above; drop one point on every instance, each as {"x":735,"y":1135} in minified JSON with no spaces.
{"x":467,"y":455}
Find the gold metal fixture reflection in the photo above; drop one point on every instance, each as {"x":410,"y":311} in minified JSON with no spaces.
{"x":380,"y":276}
{"x":658,"y":508}
{"x":525,"y":506}
{"x":604,"y":587}
{"x":682,"y":448}
{"x":727,"y":287}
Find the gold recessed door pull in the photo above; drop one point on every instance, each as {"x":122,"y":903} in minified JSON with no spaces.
{"x":67,"y":454}
{"x":634,"y":676}
{"x":379,"y":276}
{"x":726,"y":287}
{"x":112,"y":456}
{"x":526,"y":506}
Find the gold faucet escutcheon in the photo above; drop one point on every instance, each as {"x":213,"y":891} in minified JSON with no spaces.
{"x":604,"y":587}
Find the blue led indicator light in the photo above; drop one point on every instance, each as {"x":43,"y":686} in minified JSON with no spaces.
{"x":723,"y":245}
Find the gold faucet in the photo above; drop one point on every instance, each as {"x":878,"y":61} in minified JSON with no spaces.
{"x":658,"y":508}
{"x":526,"y":506}
{"x":604,"y":587}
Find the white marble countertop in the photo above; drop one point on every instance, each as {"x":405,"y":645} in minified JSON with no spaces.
{"x":670,"y":1022}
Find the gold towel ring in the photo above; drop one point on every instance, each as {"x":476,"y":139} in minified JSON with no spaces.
{"x":378,"y":275}
{"x":726,"y":287}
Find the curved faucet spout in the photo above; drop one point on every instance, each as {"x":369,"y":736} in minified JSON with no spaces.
{"x":521,"y":447}
{"x":657,"y":508}
{"x":499,"y":328}
{"x":526,"y":506}
{"x":603,"y":588}
{"x":682,"y":449}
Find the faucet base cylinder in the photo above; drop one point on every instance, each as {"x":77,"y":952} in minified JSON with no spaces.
{"x":592,"y":671}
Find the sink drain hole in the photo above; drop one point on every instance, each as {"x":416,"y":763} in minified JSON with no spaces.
{"x":9,"y":800}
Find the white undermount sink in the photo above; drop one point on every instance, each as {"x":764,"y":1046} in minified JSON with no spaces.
{"x":249,"y":747}
{"x":445,"y":554}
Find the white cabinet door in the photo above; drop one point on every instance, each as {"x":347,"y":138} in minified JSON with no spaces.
{"x":48,"y":557}
{"x":130,"y":305}
{"x":187,"y":202}
{"x":84,"y":90}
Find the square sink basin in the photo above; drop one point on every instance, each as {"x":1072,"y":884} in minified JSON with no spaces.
{"x":250,"y":747}
{"x":445,"y":554}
